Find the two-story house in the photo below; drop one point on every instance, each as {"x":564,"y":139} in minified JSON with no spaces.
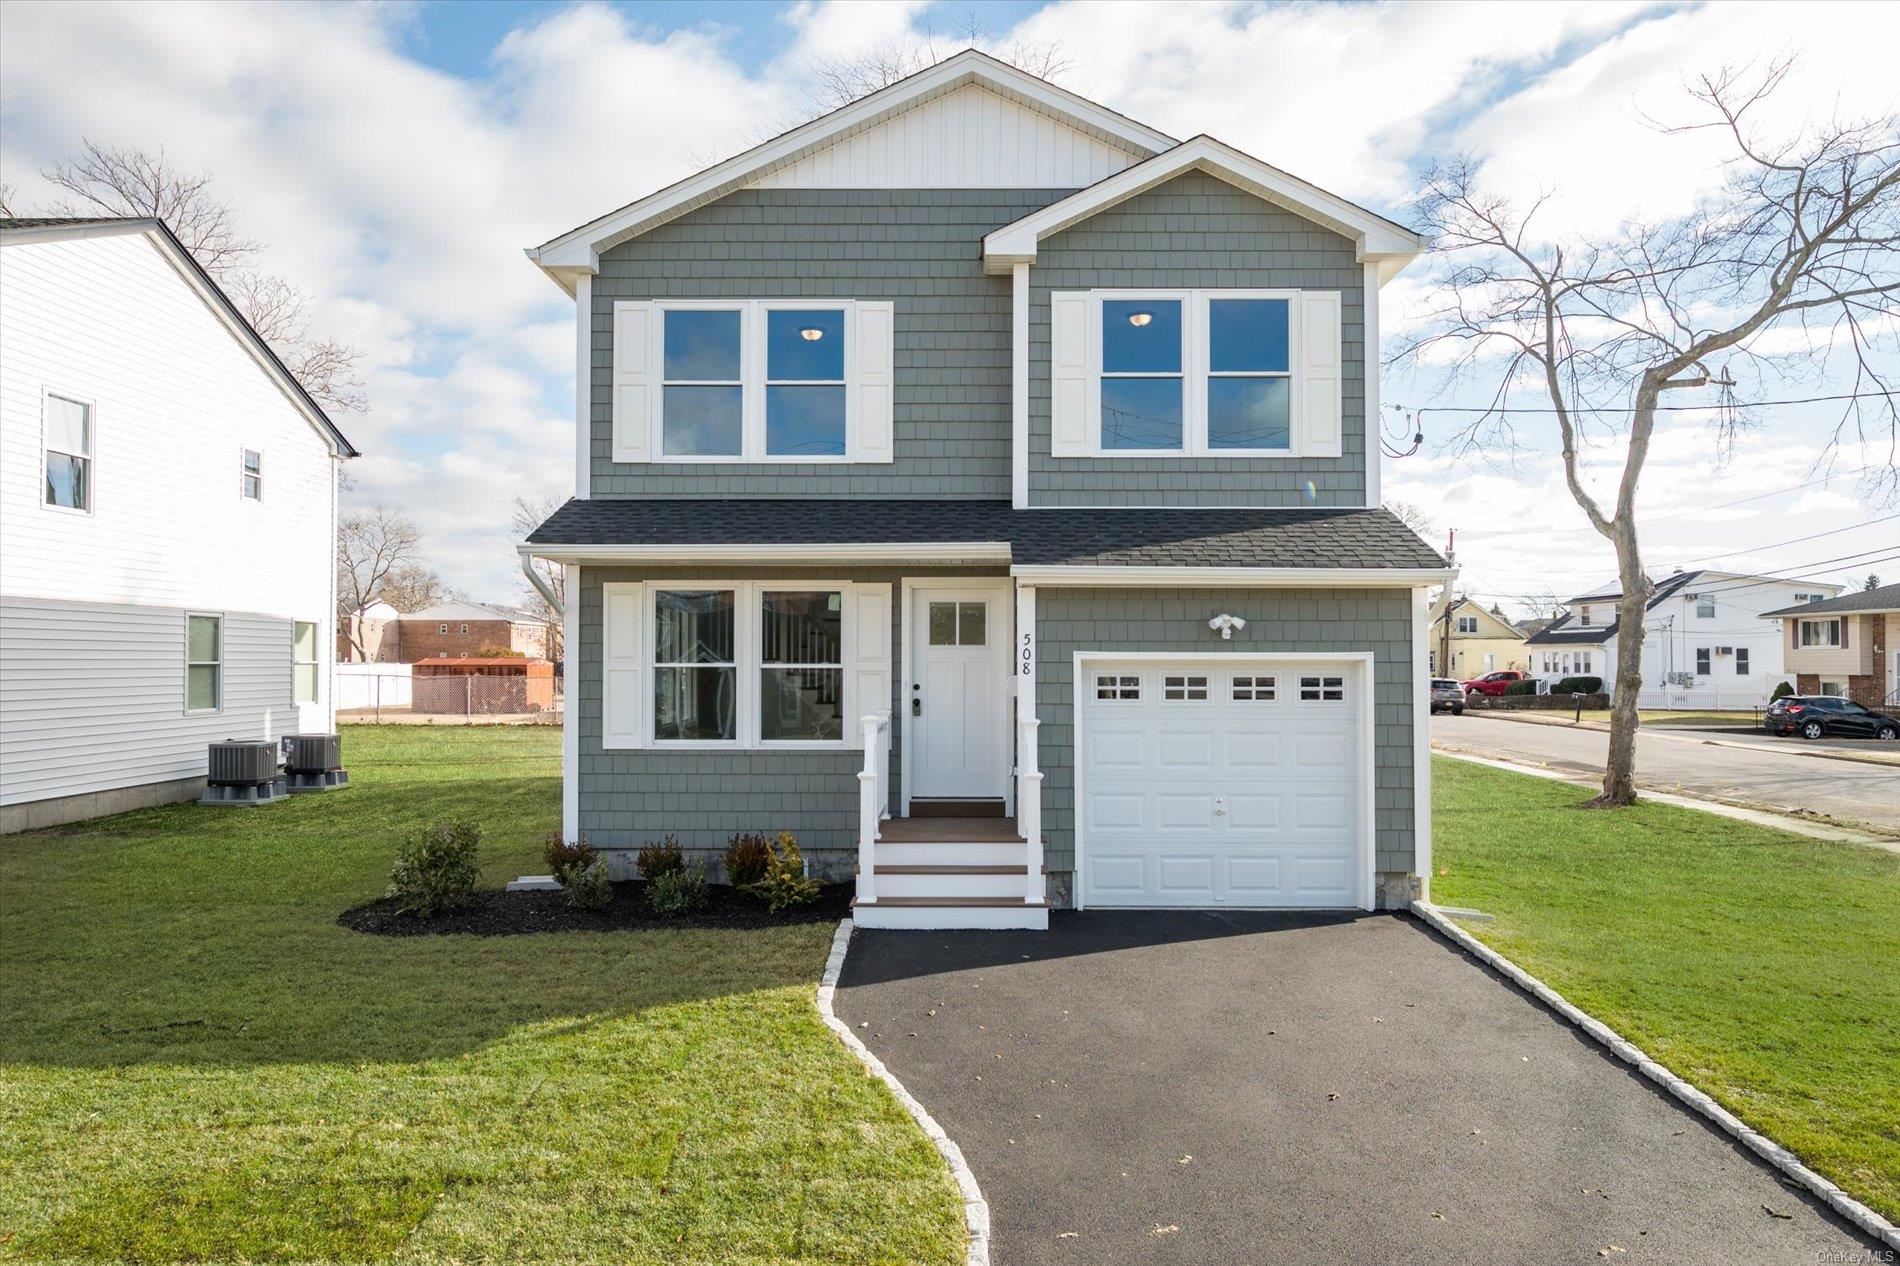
{"x":1704,"y":642}
{"x":1466,"y":640}
{"x":983,"y":486}
{"x":167,"y":525}
{"x":1848,"y":646}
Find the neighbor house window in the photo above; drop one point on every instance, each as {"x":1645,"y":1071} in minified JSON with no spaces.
{"x":1702,"y":661}
{"x":1583,"y":616}
{"x":251,"y":475}
{"x":442,"y":628}
{"x":1820,"y":632}
{"x":1200,"y":371}
{"x":1705,"y":606}
{"x":755,"y":380}
{"x":68,"y":442}
{"x":303,"y":662}
{"x":1741,"y":661}
{"x":1142,"y":404}
{"x":695,"y":665}
{"x":702,"y":383}
{"x":204,"y":663}
{"x":465,"y":630}
{"x":801,"y":666}
{"x":1467,"y":624}
{"x":804,"y":383}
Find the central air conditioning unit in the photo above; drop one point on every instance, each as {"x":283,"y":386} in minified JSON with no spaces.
{"x":242,"y":772}
{"x":314,"y":762}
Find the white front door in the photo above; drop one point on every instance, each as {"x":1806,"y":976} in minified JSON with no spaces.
{"x":1219,"y":783}
{"x":957,"y":698}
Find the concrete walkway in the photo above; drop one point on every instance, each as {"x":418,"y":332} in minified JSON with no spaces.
{"x":1256,"y":1088}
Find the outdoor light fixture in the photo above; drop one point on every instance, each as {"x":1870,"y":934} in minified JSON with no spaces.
{"x":1225,"y":625}
{"x":1140,"y":319}
{"x":811,"y":334}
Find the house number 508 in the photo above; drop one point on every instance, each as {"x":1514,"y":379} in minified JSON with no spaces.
{"x":1029,"y":655}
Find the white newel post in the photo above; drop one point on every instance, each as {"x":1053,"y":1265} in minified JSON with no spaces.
{"x":871,"y":782}
{"x":1028,"y":773}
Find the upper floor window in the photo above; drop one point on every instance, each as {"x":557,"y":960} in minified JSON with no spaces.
{"x":441,"y":628}
{"x":251,"y":475}
{"x":1705,"y":606}
{"x":1467,"y":624}
{"x":1820,"y":632}
{"x":68,"y":444}
{"x":752,"y":380}
{"x":1583,"y":616}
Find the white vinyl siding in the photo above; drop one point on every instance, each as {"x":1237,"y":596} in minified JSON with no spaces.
{"x":1082,"y":426}
{"x":642,"y":388}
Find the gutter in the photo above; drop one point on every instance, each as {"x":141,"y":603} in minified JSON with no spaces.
{"x":540,"y":583}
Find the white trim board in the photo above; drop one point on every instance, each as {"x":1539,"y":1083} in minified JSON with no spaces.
{"x":1362,"y":664}
{"x":1109,"y":576}
{"x":566,"y":257}
{"x":974,"y":551}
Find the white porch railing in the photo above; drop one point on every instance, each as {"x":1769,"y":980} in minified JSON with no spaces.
{"x":874,"y":799}
{"x":1029,"y":807}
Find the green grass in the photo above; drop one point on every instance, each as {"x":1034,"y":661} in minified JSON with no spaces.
{"x":197,"y":1063}
{"x":1762,"y":966}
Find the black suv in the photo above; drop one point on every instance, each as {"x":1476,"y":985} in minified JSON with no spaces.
{"x":1816,"y":716}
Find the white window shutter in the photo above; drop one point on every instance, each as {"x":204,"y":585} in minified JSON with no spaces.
{"x":621,"y":665}
{"x":634,"y":343}
{"x":1070,"y":424}
{"x":871,"y":439}
{"x":868,"y":685}
{"x":1318,"y":375}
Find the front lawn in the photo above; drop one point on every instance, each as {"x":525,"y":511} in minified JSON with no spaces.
{"x":198,"y":1063}
{"x":1762,"y":966}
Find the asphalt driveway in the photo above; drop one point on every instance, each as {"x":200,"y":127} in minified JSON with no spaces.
{"x":1233,"y":1088}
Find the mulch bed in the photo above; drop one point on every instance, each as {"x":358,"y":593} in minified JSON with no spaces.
{"x":517,"y":913}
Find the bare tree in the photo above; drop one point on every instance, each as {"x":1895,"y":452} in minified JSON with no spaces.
{"x":371,"y":546}
{"x":1412,"y":516}
{"x":412,"y":586}
{"x":838,"y":81}
{"x":137,"y":182}
{"x":6,"y":200}
{"x":530,"y":514}
{"x":1804,"y":233}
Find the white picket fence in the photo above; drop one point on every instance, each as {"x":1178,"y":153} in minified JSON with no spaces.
{"x":373,"y":686}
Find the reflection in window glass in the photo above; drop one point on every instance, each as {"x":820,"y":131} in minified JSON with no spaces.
{"x":802,"y":666}
{"x":1248,"y":336}
{"x":1141,"y":412}
{"x":1249,"y":386}
{"x":1248,"y":412}
{"x":943,"y":624}
{"x":804,"y":375}
{"x":1141,"y":336}
{"x":694,"y":669}
{"x":1141,"y":374}
{"x":701,"y":346}
{"x":68,"y":453}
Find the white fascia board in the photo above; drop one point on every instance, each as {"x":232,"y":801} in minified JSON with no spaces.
{"x":1378,"y":240}
{"x":879,"y":552}
{"x":578,"y":250}
{"x":1110,"y":576}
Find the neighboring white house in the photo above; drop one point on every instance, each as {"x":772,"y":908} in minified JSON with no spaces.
{"x":167,"y":525}
{"x":1705,"y":644}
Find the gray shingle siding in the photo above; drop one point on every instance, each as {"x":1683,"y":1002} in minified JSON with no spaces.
{"x":1197,"y":230}
{"x":919,"y":248}
{"x":1323,"y":621}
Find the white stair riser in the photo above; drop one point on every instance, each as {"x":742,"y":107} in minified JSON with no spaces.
{"x":948,"y":917}
{"x":997,"y":853}
{"x":889,"y":885}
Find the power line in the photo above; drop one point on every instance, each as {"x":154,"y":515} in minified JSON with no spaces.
{"x":1661,"y":408}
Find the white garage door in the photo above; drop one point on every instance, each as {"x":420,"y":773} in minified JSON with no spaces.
{"x":1218,"y":783}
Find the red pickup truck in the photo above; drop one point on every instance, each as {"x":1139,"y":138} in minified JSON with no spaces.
{"x":1493,"y":683}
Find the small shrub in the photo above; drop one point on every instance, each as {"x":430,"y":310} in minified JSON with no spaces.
{"x":565,"y":860}
{"x":679,"y":892}
{"x":1525,"y":687}
{"x":784,"y":885}
{"x":587,"y":887}
{"x":436,"y":870}
{"x":659,"y":859}
{"x":1578,"y":686}
{"x":1781,"y":691}
{"x":746,"y":859}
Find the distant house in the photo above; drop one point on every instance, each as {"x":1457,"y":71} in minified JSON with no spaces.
{"x":369,"y":636}
{"x":167,"y":525}
{"x":1468,"y":640}
{"x":1704,"y":643}
{"x":1847,"y":646}
{"x":447,"y":630}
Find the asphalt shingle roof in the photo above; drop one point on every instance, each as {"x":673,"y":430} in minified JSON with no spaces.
{"x":1106,"y":537}
{"x":1885,"y":598}
{"x":1565,"y":631}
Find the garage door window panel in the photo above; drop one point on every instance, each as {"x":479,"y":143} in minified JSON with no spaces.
{"x":1322,"y":689}
{"x":1255,"y":689}
{"x":1184,"y":689}
{"x":1113,"y":688}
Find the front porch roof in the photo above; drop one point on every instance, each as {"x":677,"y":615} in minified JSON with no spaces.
{"x":1046,"y":541}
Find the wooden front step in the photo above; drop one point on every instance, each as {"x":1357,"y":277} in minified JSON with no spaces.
{"x":953,"y":903}
{"x":956,"y":808}
{"x":882,"y":869}
{"x":914,"y":830}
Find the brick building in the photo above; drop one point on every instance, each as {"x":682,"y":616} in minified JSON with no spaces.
{"x":447,"y":630}
{"x":1846,"y":646}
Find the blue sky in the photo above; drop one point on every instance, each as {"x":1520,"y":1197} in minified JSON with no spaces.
{"x":397,"y":158}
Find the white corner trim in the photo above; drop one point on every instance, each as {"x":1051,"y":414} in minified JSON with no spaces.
{"x":1019,"y":386}
{"x":583,"y":385}
{"x":976,"y":1210}
{"x":571,"y":706}
{"x":1421,"y":742}
{"x":1698,"y":1101}
{"x":1110,"y":576}
{"x":1379,"y":240}
{"x":1369,"y":342}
